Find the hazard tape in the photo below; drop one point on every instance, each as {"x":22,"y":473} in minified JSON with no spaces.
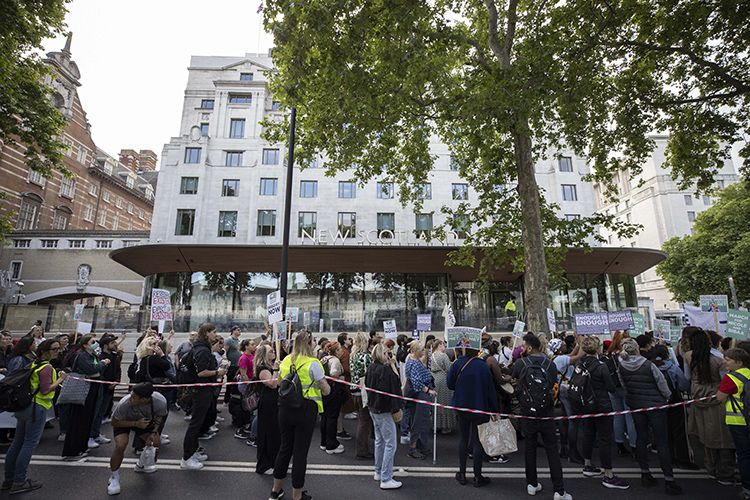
{"x":168,"y":386}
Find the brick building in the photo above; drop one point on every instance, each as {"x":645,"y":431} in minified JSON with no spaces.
{"x":104,"y":193}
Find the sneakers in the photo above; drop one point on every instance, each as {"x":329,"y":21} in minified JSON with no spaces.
{"x":404,"y":440}
{"x":563,"y":496}
{"x":615,"y":482}
{"x":241,"y":434}
{"x":144,"y":470}
{"x":92,"y":444}
{"x":191,"y":463}
{"x":8,"y":484}
{"x":187,"y":417}
{"x":75,"y":458}
{"x":102,"y":439}
{"x":113,"y":487}
{"x":352,"y":416}
{"x":390,"y":485}
{"x":533,"y":490}
{"x":251,"y":442}
{"x":415,"y":453}
{"x":24,"y":487}
{"x":591,"y":471}
{"x":344,"y":435}
{"x":337,"y":450}
{"x":647,"y":480}
{"x":670,"y":487}
{"x":206,"y":436}
{"x":164,"y":439}
{"x":376,"y":476}
{"x":213,"y":429}
{"x":727,"y":482}
{"x":107,"y":420}
{"x":200,"y":455}
{"x":480,"y":481}
{"x":61,"y":437}
{"x":276,"y":496}
{"x":500,"y":459}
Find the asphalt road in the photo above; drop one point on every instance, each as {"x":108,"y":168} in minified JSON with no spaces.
{"x":229,"y":474}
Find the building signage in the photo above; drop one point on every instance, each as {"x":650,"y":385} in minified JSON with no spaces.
{"x":463,"y":336}
{"x":424,"y":322}
{"x":592,"y":323}
{"x":738,"y":324}
{"x":372,"y":237}
{"x":273,"y":306}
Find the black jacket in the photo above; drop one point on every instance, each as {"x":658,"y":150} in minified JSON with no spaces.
{"x":601,"y":382}
{"x":383,"y":378}
{"x":203,"y":358}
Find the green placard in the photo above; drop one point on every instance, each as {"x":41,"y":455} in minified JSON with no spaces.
{"x":639,"y":323}
{"x":662,"y":329}
{"x":463,"y":336}
{"x":738,"y":324}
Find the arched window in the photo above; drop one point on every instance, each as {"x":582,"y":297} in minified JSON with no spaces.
{"x":28,"y":214}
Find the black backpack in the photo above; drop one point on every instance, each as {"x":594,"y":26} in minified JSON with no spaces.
{"x":290,"y":390}
{"x":536,"y":390}
{"x":580,"y":390}
{"x":186,"y":373}
{"x":744,"y":397}
{"x":15,"y":389}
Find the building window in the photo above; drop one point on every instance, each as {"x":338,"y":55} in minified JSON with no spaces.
{"x":227,"y":224}
{"x":207,"y":104}
{"x":230,"y":187}
{"x":204,"y":129}
{"x":347,"y":189}
{"x":385,"y":190}
{"x":61,"y":219}
{"x":192,"y":155}
{"x":423,"y":224}
{"x":246,"y":77}
{"x":130,"y":208}
{"x":691,"y":216}
{"x":240,"y":98}
{"x":569,"y":192}
{"x":460,"y":191}
{"x":130,"y":181}
{"x":308,"y":189}
{"x":425,"y":191}
{"x":688,"y":199}
{"x":49,"y":243}
{"x":115,"y":222}
{"x":565,"y":164}
{"x":118,"y":202}
{"x":275,"y":105}
{"x":67,"y":187}
{"x":130,"y":243}
{"x":270,"y":157}
{"x":461,"y":226}
{"x":103,"y":243}
{"x":347,"y":224}
{"x":188,"y":185}
{"x":140,"y":214}
{"x":572,"y":216}
{"x":88,"y":213}
{"x":455,"y":166}
{"x":21,"y":243}
{"x":266,"y":223}
{"x":706,"y":200}
{"x":16,"y":266}
{"x":81,"y":155}
{"x":308,"y":224}
{"x":28,"y":214}
{"x":185,"y":222}
{"x":233,"y":159}
{"x":105,"y":195}
{"x":92,"y":189}
{"x":386,"y":225}
{"x":268,"y":186}
{"x":237,"y":128}
{"x":76,"y":243}
{"x":103,"y":219}
{"x":36,"y":178}
{"x":720,"y":184}
{"x":107,"y":167}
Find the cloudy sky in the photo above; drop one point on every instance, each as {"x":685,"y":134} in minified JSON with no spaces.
{"x":133,"y":56}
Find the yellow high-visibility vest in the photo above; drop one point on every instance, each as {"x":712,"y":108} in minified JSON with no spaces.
{"x":734,"y":404}
{"x":302,"y":365}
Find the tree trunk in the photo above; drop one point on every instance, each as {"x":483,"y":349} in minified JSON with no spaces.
{"x":535,"y":277}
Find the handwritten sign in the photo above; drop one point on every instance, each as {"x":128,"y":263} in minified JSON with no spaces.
{"x":518,"y":329}
{"x":463,"y":336}
{"x":424,"y":322}
{"x":389,"y":329}
{"x":592,"y":323}
{"x":738,"y":324}
{"x":273,"y":306}
{"x":78,"y":313}
{"x":161,"y":305}
{"x":551,"y":322}
{"x":639,"y":325}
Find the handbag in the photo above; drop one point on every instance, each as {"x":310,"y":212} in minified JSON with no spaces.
{"x":74,"y":390}
{"x":250,"y":398}
{"x":498,"y":437}
{"x":398,"y":416}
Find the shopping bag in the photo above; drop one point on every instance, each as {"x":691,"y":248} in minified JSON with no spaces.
{"x":74,"y":390}
{"x":364,"y":392}
{"x":498,"y":437}
{"x":148,"y":457}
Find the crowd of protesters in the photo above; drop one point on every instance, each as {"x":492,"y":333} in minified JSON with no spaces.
{"x":533,"y":376}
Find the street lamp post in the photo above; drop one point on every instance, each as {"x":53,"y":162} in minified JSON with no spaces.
{"x":287,"y":211}
{"x":20,"y":286}
{"x":734,"y":292}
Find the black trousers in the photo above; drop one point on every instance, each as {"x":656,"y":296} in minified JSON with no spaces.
{"x":203,"y":399}
{"x":545,"y":429}
{"x":229,"y":389}
{"x":469,"y":437}
{"x":601,"y":428}
{"x":656,"y":421}
{"x":296,"y":428}
{"x":329,"y":419}
{"x":79,"y":428}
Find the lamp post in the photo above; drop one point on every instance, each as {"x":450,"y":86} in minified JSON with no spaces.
{"x":287,"y":212}
{"x":734,"y":293}
{"x":20,"y":286}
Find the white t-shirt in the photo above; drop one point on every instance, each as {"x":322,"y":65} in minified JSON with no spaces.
{"x":505,"y":356}
{"x":562,"y":363}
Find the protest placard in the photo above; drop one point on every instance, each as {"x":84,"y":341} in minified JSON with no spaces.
{"x":292,"y":314}
{"x":463,"y":336}
{"x":518,"y":329}
{"x":620,"y":320}
{"x":714,"y":303}
{"x":551,"y":322}
{"x":592,"y":323}
{"x":663,"y":329}
{"x":83,"y":328}
{"x":424,"y":322}
{"x":280,"y":330}
{"x":273,"y":306}
{"x":450,"y":318}
{"x":161,"y":305}
{"x":78,"y":313}
{"x":389,"y":329}
{"x":738,"y":324}
{"x":639,"y":325}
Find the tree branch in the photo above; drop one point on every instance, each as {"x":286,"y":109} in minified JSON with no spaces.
{"x":493,"y":41}
{"x":510,"y":32}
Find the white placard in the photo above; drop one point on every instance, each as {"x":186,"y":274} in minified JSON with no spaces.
{"x":518,"y":329}
{"x":551,"y":323}
{"x":78,"y":313}
{"x":83,"y":328}
{"x":424,"y":322}
{"x":292,"y":314}
{"x":389,"y":329}
{"x":161,"y":305}
{"x":273,"y":306}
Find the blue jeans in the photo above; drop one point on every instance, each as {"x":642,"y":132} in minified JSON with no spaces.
{"x":419,"y":432}
{"x":741,"y":438}
{"x":622,"y":421}
{"x":28,"y":433}
{"x":105,"y":396}
{"x":405,"y":422}
{"x":385,"y":444}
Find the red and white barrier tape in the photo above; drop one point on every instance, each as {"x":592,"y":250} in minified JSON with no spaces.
{"x":166,"y":386}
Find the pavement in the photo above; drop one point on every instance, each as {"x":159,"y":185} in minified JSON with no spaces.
{"x":229,"y":473}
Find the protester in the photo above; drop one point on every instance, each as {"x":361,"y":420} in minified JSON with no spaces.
{"x":296,"y":425}
{"x":332,"y":402}
{"x":203,"y":368}
{"x":565,"y":361}
{"x":184,"y":348}
{"x":241,"y":419}
{"x":385,"y":412}
{"x":536,"y":376}
{"x":473,"y":387}
{"x":422,"y":387}
{"x":624,"y":427}
{"x":645,"y":387}
{"x":731,"y":394}
{"x":347,"y":403}
{"x":232,"y":348}
{"x":30,"y":421}
{"x":141,"y":412}
{"x":707,"y":418}
{"x":22,"y":355}
{"x":360,"y":360}
{"x":505,"y":352}
{"x":440,"y":366}
{"x":86,"y":363}
{"x":111,"y":373}
{"x":267,"y":371}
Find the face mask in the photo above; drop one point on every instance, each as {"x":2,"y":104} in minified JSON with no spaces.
{"x":94,"y":346}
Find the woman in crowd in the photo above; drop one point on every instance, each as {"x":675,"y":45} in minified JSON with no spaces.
{"x":267,"y":370}
{"x":30,"y":421}
{"x":360,"y":360}
{"x":111,"y":373}
{"x":624,"y":427}
{"x":241,"y":419}
{"x":440,"y":366}
{"x":86,"y":363}
{"x":22,"y":354}
{"x":296,"y":425}
{"x":645,"y":386}
{"x":332,"y":402}
{"x":730,"y":393}
{"x":422,"y":387}
{"x":505,"y":352}
{"x":385,"y":412}
{"x":706,"y":418}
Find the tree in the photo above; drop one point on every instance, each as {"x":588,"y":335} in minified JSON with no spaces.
{"x":504,"y":85}
{"x":701,"y":263}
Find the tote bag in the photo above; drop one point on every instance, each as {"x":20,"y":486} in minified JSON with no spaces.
{"x":498,"y":437}
{"x":74,"y":390}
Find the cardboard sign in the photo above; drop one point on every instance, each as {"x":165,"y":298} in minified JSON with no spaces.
{"x":463,"y":336}
{"x":620,"y":320}
{"x":78,"y":313}
{"x":273,"y":306}
{"x":518,"y":329}
{"x":738,"y":324}
{"x":424,"y":322}
{"x":83,"y":328}
{"x":592,"y":323}
{"x":639,"y":325}
{"x":292,"y":314}
{"x":551,"y":322}
{"x":161,"y":305}
{"x":663,"y":329}
{"x":389,"y":329}
{"x":714,"y":303}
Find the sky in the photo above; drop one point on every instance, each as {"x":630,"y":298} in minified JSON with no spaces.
{"x":133,"y":57}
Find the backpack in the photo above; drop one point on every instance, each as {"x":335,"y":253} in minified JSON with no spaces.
{"x":186,"y":373}
{"x":15,"y":389}
{"x":744,"y":396}
{"x":536,"y":389}
{"x":290,"y":390}
{"x":581,"y":390}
